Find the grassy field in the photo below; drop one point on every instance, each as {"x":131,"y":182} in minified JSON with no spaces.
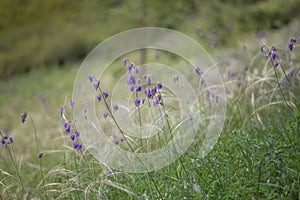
{"x":256,"y":157}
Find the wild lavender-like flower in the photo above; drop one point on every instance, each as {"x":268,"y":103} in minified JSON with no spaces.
{"x":273,"y":54}
{"x":77,"y":145}
{"x":96,"y":84}
{"x":290,"y":46}
{"x":131,"y":88}
{"x":276,"y":63}
{"x":130,"y":80}
{"x":77,"y":133}
{"x":105,"y":94}
{"x":153,"y":90}
{"x":148,"y":80}
{"x":6,"y":139}
{"x":138,"y":88}
{"x":148,"y":92}
{"x":98,"y":97}
{"x":67,"y":126}
{"x":62,"y":108}
{"x":125,"y":61}
{"x":159,"y":85}
{"x":91,"y":78}
{"x":72,"y":136}
{"x":40,"y":155}
{"x":137,"y":102}
{"x":105,"y":115}
{"x":23,"y":117}
{"x":115,"y":106}
{"x":72,"y":103}
{"x":299,"y":39}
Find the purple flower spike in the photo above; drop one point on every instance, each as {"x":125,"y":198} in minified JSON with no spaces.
{"x":72,"y":103}
{"x":98,"y":97}
{"x":153,"y":90}
{"x":125,"y":61}
{"x":138,"y":88}
{"x":77,"y":133}
{"x":273,"y":55}
{"x":159,"y":85}
{"x":148,"y":93}
{"x":290,"y":46}
{"x":292,"y":39}
{"x":131,"y":88}
{"x":23,"y":117}
{"x":115,"y":106}
{"x":72,"y":137}
{"x":62,"y":108}
{"x":299,"y":39}
{"x":276,"y":63}
{"x":130,"y":80}
{"x":261,"y":48}
{"x":40,"y":155}
{"x":105,"y":115}
{"x":91,"y":78}
{"x":137,"y":102}
{"x":148,"y":80}
{"x":2,"y":142}
{"x":96,"y":84}
{"x":67,"y":127}
{"x":105,"y":94}
{"x":77,"y":145}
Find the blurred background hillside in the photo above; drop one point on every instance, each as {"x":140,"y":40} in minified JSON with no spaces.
{"x":40,"y":34}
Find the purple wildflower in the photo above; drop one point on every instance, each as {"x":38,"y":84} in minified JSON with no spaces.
{"x":299,"y":39}
{"x":105,"y":94}
{"x":96,"y":84}
{"x":98,"y":97}
{"x":115,"y":106}
{"x":159,"y":85}
{"x":130,"y":80}
{"x":290,"y":46}
{"x":155,"y":101}
{"x":77,"y":133}
{"x":190,"y":117}
{"x":129,"y":67}
{"x":23,"y":117}
{"x":153,"y":90}
{"x":131,"y":88}
{"x":62,"y":108}
{"x":40,"y":155}
{"x":261,"y":48}
{"x":292,"y":39}
{"x":148,"y":93}
{"x":72,"y":103}
{"x":2,"y":142}
{"x":91,"y":78}
{"x":67,"y":127}
{"x":148,"y":80}
{"x":273,"y":54}
{"x":143,"y":100}
{"x":105,"y":115}
{"x":138,"y":88}
{"x":125,"y":61}
{"x":137,"y":102}
{"x":72,"y":137}
{"x":77,"y":145}
{"x":292,"y":72}
{"x":276,"y":63}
